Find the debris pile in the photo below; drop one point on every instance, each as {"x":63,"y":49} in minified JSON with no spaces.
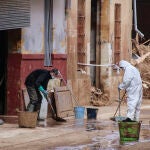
{"x":98,"y":98}
{"x":145,"y":74}
{"x":142,"y":61}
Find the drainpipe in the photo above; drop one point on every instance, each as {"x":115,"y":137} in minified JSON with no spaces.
{"x":135,"y":21}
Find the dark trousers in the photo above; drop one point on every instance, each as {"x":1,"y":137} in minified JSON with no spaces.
{"x":35,"y":99}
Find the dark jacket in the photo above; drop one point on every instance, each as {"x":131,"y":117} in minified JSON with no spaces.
{"x":38,"y":77}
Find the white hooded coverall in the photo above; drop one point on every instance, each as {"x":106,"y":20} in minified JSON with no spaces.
{"x":132,"y":83}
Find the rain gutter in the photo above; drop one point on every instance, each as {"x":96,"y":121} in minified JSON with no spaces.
{"x":135,"y":20}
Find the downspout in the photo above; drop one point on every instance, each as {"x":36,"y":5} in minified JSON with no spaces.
{"x":135,"y":21}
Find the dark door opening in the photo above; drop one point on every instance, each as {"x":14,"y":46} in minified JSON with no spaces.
{"x":3,"y":69}
{"x":93,"y":40}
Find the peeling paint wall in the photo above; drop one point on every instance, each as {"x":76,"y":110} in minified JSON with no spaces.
{"x":32,"y":40}
{"x":59,"y":26}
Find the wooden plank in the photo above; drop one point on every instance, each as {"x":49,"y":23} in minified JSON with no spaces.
{"x":139,"y":60}
{"x":73,"y":86}
{"x":84,"y":86}
{"x":81,"y":91}
{"x":52,"y":83}
{"x":63,"y":100}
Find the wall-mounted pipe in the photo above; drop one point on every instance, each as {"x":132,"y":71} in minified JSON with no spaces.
{"x":135,"y":20}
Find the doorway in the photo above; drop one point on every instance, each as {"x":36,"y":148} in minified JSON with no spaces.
{"x":93,"y":40}
{"x":3,"y":69}
{"x":143,"y":23}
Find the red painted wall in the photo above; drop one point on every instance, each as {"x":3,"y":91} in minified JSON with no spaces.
{"x":19,"y":66}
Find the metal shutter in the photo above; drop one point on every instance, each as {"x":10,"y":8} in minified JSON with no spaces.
{"x":14,"y":14}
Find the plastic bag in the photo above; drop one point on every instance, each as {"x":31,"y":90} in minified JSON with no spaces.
{"x":44,"y":108}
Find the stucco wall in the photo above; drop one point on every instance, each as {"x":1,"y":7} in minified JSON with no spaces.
{"x":59,"y":26}
{"x":29,"y":56}
{"x":126,"y":26}
{"x":32,"y":40}
{"x":108,"y":79}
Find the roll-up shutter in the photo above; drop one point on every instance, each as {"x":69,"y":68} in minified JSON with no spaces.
{"x":14,"y":14}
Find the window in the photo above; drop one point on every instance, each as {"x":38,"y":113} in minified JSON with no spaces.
{"x":81,"y":53}
{"x":117,"y":33}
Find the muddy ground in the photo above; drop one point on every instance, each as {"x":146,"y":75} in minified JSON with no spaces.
{"x":99,"y":134}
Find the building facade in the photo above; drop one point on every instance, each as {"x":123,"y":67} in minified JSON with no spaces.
{"x":65,"y":34}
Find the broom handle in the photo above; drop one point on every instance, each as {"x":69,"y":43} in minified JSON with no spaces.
{"x":119,"y":104}
{"x":49,"y":101}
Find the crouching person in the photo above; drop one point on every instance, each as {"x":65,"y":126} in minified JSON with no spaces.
{"x":35,"y":82}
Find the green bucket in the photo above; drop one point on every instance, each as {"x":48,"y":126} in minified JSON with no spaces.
{"x":129,"y":131}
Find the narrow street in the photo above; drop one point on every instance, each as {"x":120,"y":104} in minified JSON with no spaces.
{"x":100,"y":134}
{"x":69,"y":53}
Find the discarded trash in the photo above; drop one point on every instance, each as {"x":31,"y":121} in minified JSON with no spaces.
{"x":129,"y":131}
{"x":44,"y":108}
{"x":92,"y":113}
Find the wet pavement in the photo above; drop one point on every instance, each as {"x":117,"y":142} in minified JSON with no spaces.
{"x":76,"y":134}
{"x":108,"y":137}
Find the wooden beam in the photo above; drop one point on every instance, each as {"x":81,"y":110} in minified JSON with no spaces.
{"x":139,"y":60}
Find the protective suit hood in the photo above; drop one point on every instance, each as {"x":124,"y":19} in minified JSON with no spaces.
{"x":123,"y":64}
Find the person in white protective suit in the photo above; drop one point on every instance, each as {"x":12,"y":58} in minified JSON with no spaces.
{"x":132,"y":83}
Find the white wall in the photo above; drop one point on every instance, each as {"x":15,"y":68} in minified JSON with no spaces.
{"x":32,"y":40}
{"x":59,"y":27}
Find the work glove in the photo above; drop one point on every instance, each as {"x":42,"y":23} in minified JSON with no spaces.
{"x":45,"y":93}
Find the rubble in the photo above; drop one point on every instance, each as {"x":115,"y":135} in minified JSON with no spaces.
{"x":142,"y":51}
{"x":98,"y":98}
{"x":140,"y":59}
{"x":145,"y":74}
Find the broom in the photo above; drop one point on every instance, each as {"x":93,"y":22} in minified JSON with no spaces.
{"x":55,"y":117}
{"x":118,"y":108}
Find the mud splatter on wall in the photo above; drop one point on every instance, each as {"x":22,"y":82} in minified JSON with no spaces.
{"x":59,"y":27}
{"x":33,"y":36}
